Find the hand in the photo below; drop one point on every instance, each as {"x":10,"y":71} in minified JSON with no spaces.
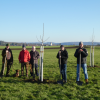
{"x":59,"y":56}
{"x":59,"y":51}
{"x":80,"y":50}
{"x":6,"y":51}
{"x":33,"y":58}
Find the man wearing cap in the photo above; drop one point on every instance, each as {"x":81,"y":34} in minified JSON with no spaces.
{"x":24,"y":59}
{"x":34,"y":60}
{"x":63,"y":55}
{"x":6,"y":60}
{"x":84,"y":54}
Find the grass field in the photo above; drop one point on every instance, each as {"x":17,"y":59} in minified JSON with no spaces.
{"x":20,"y":89}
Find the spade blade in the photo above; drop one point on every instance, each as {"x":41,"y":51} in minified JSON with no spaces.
{"x":79,"y":82}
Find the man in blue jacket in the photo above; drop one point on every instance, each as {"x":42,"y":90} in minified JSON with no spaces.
{"x":84,"y":54}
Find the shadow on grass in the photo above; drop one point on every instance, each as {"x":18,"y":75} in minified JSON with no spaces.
{"x":17,"y":80}
{"x":45,"y":81}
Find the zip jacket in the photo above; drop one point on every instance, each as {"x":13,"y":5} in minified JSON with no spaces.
{"x":8,"y":55}
{"x":34,"y":55}
{"x":64,"y":56}
{"x":84,"y":54}
{"x":24,"y":56}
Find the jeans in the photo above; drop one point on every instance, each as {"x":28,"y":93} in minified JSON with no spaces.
{"x":32,"y":69}
{"x":84,"y":66}
{"x":63,"y":71}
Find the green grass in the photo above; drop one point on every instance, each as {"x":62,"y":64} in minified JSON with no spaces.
{"x":18,"y":89}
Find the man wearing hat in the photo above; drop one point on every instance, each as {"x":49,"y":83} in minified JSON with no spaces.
{"x":34,"y":60}
{"x":24,"y":59}
{"x":63,"y":55}
{"x":84,"y":54}
{"x":6,"y":60}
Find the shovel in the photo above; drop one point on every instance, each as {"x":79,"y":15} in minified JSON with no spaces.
{"x":79,"y":82}
{"x":4,"y":65}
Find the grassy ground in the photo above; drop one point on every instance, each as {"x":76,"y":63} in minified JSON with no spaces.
{"x":20,"y":89}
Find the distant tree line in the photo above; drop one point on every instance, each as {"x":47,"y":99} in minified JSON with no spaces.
{"x":2,"y":43}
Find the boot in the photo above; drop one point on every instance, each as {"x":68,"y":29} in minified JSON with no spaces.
{"x":86,"y":81}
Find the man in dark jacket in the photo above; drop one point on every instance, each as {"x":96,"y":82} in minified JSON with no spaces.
{"x":7,"y":59}
{"x":34,"y":60}
{"x":84,"y":54}
{"x":63,"y":55}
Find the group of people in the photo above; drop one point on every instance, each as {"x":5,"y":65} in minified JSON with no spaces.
{"x":26,"y":58}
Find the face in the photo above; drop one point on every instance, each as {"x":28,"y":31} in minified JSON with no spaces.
{"x":81,"y":45}
{"x":7,"y":47}
{"x":24,"y":48}
{"x":33,"y":48}
{"x":62,"y":48}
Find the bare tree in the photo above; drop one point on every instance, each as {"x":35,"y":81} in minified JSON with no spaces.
{"x":42,"y":38}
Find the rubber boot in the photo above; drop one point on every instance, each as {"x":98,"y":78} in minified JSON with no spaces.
{"x":86,"y":81}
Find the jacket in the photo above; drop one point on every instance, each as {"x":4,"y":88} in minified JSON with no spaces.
{"x":4,"y":55}
{"x":34,"y":55}
{"x":64,"y":56}
{"x":84,"y":54}
{"x":24,"y":56}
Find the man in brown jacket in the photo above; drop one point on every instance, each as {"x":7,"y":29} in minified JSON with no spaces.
{"x":34,"y":60}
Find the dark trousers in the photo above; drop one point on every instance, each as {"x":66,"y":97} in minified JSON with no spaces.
{"x":32,"y":69}
{"x":26,"y":64}
{"x":8,"y":64}
{"x":63,"y":71}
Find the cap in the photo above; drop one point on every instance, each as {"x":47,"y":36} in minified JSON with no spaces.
{"x":7,"y":44}
{"x":61,"y":46}
{"x":23,"y":46}
{"x":80,"y":42}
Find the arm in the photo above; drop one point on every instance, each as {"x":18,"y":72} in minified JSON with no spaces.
{"x":29,"y":57}
{"x":11,"y":57}
{"x":57,"y":55}
{"x":84,"y":53}
{"x":76,"y":53}
{"x":3,"y":53}
{"x":38,"y":56}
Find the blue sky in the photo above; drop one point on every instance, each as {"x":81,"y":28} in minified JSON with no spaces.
{"x":64,"y":20}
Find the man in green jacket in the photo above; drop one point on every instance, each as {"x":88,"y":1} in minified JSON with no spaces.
{"x":7,"y":60}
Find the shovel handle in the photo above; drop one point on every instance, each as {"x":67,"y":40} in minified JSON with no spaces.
{"x":79,"y":65}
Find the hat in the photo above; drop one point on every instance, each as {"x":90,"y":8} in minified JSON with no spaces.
{"x":61,"y":46}
{"x":80,"y":42}
{"x":7,"y":44}
{"x":23,"y":46}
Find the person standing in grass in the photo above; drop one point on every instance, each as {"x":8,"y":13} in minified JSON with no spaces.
{"x":34,"y":60}
{"x":84,"y":54}
{"x":63,"y":55}
{"x":8,"y":60}
{"x":24,"y":59}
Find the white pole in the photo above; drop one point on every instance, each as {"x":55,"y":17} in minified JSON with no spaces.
{"x":42,"y":53}
{"x":93,"y":56}
{"x":40,"y":65}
